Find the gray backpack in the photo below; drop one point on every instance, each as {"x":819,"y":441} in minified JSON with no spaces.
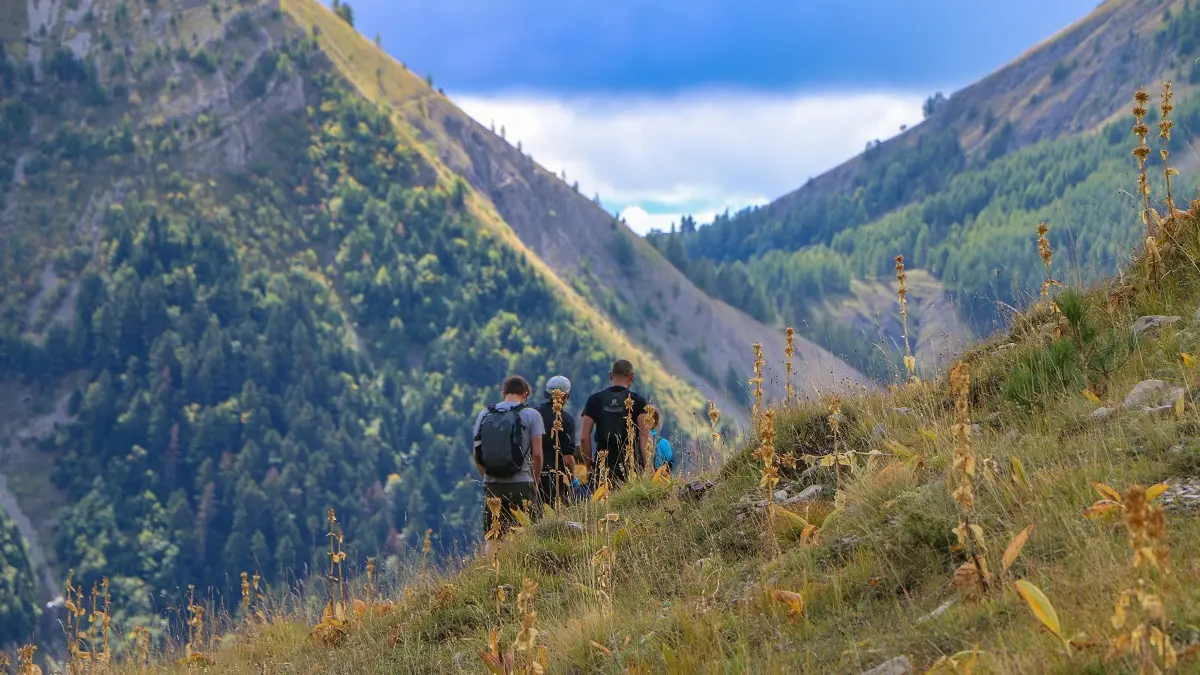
{"x":498,"y":445}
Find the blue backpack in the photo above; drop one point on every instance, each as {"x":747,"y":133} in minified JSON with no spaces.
{"x":663,"y":454}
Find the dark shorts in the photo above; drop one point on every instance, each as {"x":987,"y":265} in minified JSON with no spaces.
{"x":520,"y":496}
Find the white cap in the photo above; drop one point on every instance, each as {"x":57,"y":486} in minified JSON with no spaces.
{"x":558,"y":382}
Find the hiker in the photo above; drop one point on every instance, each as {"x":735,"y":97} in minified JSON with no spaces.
{"x":558,"y":467}
{"x":508,"y":453}
{"x":605,"y":414}
{"x":663,"y":454}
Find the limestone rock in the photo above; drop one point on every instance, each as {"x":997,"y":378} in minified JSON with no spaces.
{"x":807,"y":494}
{"x":900,"y":665}
{"x":942,"y":608}
{"x":1150,"y":323}
{"x":1145,"y":393}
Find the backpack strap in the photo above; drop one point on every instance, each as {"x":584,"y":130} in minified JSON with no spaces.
{"x":517,"y":430}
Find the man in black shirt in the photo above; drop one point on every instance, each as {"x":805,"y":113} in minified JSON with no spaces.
{"x":559,"y":465}
{"x":606,"y":414}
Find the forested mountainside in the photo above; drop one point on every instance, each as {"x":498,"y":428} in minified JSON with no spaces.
{"x":693,"y":333}
{"x":250,"y":294}
{"x":956,"y":194}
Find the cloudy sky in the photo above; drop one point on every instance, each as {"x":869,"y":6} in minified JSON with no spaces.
{"x":667,"y":107}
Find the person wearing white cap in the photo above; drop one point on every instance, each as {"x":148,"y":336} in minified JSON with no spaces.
{"x":554,"y":484}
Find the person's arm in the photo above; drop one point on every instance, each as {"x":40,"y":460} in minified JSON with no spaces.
{"x":536,"y":454}
{"x":644,"y":433}
{"x":585,"y":442}
{"x":537,"y":434}
{"x":478,"y":444}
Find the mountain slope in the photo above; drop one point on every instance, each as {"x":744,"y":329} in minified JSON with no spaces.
{"x":1041,"y":139}
{"x":264,"y":297}
{"x":611,"y":269}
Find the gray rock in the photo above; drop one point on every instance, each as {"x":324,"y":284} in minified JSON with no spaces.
{"x":976,"y":429}
{"x":810,"y":473}
{"x":760,"y":504}
{"x":806,"y":495}
{"x":901,"y":665}
{"x":1146,"y":392}
{"x":841,"y":419}
{"x":993,"y":420}
{"x":902,"y":411}
{"x":1012,"y":436}
{"x":942,"y":608}
{"x":780,"y":495}
{"x":703,"y":562}
{"x":1158,"y":410}
{"x":880,"y":431}
{"x":1102,"y":414}
{"x":1149,"y":323}
{"x":572,"y":525}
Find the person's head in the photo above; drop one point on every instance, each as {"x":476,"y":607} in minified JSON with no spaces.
{"x":515,"y":387}
{"x":558,"y":383}
{"x":621,"y":373}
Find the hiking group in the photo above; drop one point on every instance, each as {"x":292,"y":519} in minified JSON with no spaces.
{"x":526,"y":461}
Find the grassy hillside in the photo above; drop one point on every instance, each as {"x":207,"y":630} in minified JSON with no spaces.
{"x":1079,"y":502}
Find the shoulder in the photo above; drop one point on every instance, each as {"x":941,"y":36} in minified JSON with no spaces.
{"x":532,"y":415}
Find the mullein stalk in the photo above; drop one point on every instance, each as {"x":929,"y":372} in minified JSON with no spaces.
{"x":630,"y":441}
{"x":714,"y":416}
{"x":910,"y":363}
{"x":757,"y":382}
{"x":789,"y":353}
{"x":1046,"y":253}
{"x":557,"y":398}
{"x":835,"y":429}
{"x":1142,"y":152}
{"x":769,"y":476}
{"x":970,"y":536}
{"x":1164,"y":134}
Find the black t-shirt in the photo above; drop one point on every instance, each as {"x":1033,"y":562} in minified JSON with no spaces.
{"x":607,"y":410}
{"x":551,"y":452}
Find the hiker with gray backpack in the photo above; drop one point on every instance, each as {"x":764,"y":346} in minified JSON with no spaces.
{"x":508,"y":453}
